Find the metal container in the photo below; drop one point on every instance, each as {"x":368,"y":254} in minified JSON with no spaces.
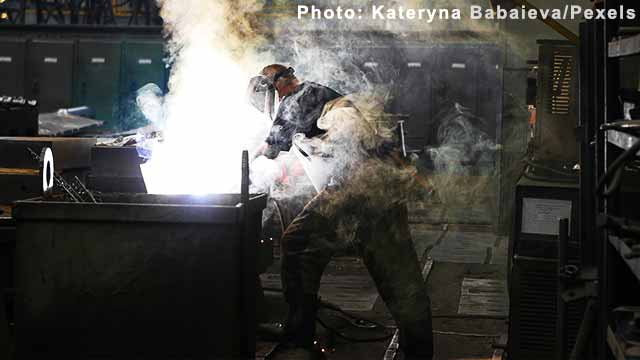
{"x":137,"y":276}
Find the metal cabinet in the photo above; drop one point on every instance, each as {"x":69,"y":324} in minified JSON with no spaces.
{"x":380,"y":64}
{"x":98,"y":77}
{"x":50,"y":73}
{"x":413,"y":100}
{"x":12,"y":56}
{"x":471,"y":75}
{"x":143,"y":63}
{"x":456,"y":78}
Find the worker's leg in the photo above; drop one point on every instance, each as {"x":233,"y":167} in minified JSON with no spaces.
{"x":307,"y":246}
{"x":388,"y":252}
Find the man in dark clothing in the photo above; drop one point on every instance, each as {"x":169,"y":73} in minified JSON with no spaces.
{"x":299,"y":113}
{"x":382,"y":229}
{"x":300,"y":107}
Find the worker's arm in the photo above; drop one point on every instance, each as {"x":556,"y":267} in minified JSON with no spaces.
{"x":261,"y":150}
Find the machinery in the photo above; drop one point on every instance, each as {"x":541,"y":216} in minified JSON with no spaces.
{"x":533,"y":265}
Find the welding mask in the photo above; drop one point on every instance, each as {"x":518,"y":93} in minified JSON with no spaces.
{"x":261,"y":92}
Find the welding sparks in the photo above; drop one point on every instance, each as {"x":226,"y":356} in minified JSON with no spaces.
{"x":205,"y":121}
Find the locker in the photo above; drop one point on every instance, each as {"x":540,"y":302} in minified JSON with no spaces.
{"x":471,"y":75}
{"x":414,"y":96}
{"x":98,"y":77}
{"x":456,"y":77}
{"x":50,"y":73}
{"x":143,"y":63}
{"x":12,"y":55}
{"x":489,"y":91}
{"x":380,"y":64}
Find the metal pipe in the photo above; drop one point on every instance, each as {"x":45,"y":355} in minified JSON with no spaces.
{"x":563,"y":258}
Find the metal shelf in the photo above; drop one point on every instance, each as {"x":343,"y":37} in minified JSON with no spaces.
{"x":623,"y":249}
{"x":621,"y":140}
{"x":625,"y":47}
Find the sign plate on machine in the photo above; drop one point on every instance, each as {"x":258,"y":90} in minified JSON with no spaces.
{"x":541,"y":216}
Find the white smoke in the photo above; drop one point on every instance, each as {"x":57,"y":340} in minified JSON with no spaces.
{"x":204,"y":118}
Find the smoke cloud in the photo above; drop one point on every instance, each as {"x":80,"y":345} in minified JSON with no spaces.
{"x":215,"y":47}
{"x":204,"y":118}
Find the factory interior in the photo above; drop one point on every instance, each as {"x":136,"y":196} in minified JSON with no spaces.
{"x":324,"y":179}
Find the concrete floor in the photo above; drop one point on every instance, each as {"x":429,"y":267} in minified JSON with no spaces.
{"x":469,"y":319}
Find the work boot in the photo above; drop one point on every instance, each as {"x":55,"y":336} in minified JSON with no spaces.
{"x":300,"y":328}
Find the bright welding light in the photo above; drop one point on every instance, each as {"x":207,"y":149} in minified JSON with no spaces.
{"x":207,"y":122}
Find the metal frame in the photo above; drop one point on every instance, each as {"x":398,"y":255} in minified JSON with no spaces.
{"x":89,"y":12}
{"x":600,"y":73}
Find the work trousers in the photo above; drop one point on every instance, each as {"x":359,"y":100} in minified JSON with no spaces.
{"x":384,"y":241}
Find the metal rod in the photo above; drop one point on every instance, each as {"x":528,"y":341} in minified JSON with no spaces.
{"x":63,"y":184}
{"x":247,"y":268}
{"x":84,"y":188}
{"x":244,"y":184}
{"x":404,"y":147}
{"x":563,"y":258}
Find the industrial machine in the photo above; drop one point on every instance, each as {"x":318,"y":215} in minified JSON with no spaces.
{"x":554,"y":148}
{"x":533,"y":265}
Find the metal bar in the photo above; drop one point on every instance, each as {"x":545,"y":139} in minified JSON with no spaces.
{"x":587,"y":147}
{"x":404,"y":148}
{"x":84,"y":188}
{"x":248,"y":271}
{"x":563,"y":257}
{"x":607,"y":101}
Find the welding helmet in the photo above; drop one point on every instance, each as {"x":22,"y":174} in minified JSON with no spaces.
{"x":261,"y":92}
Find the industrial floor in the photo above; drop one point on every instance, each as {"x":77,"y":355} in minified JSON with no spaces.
{"x":464,"y":264}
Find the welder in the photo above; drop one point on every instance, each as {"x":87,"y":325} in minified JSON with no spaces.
{"x":310,"y":240}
